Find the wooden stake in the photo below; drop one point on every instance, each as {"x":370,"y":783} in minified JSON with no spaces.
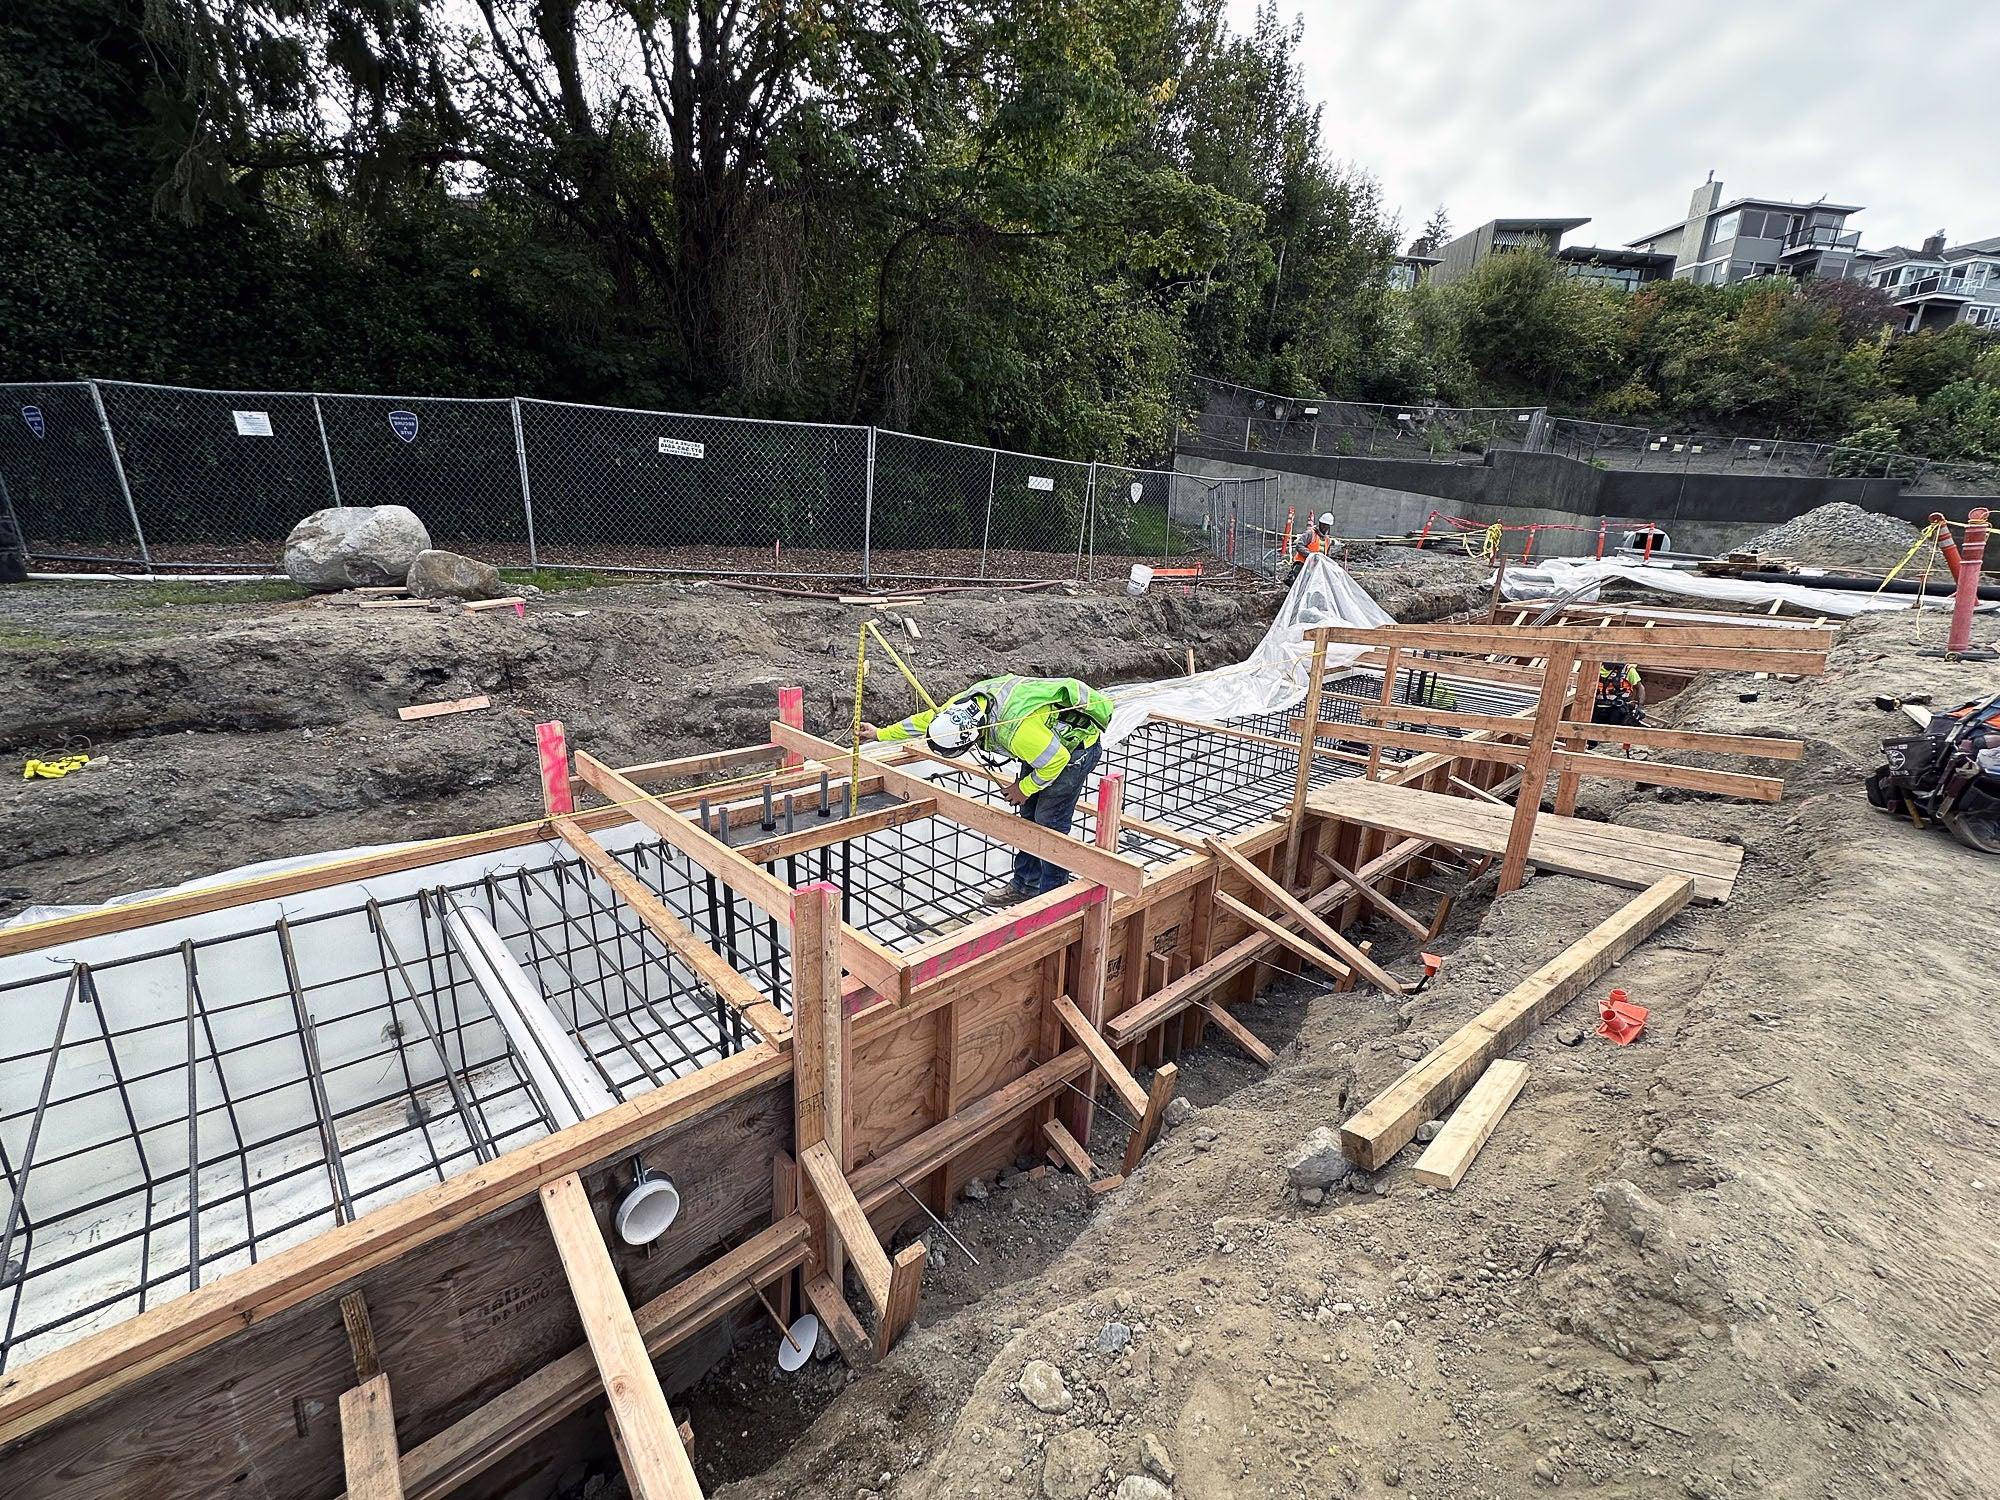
{"x":792,"y":711}
{"x":1302,"y":783}
{"x":1535,"y":771}
{"x":360,"y":1337}
{"x":1580,"y":709}
{"x":1388,"y":697}
{"x":1094,"y":955}
{"x":656,"y":1464}
{"x":819,"y":1050}
{"x":1066,"y":1151}
{"x":552,"y":752}
{"x":1165,"y":1077}
{"x":368,"y":1442}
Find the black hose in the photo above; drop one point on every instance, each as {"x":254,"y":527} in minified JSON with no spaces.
{"x":1860,"y":585}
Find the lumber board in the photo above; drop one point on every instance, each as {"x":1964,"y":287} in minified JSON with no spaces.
{"x":1086,"y":861}
{"x":1065,"y":1148}
{"x":1635,"y":649}
{"x":1123,"y":1084}
{"x":653,"y":772}
{"x":906,"y":1280}
{"x":1295,"y":818}
{"x":1613,"y":853}
{"x":1093,"y":956}
{"x":1296,"y":910}
{"x":1240,"y":1034}
{"x":875,"y":1182}
{"x":850,"y":1222}
{"x":864,"y":957}
{"x":713,"y":970}
{"x":1374,"y":898}
{"x":435,"y":710}
{"x":437,"y":1467}
{"x":1165,"y":1078}
{"x":368,"y":1441}
{"x":837,"y":830}
{"x":1762,"y":747}
{"x":506,"y":601}
{"x":44,"y":1390}
{"x":656,"y":1462}
{"x":838,"y":1319}
{"x":1445,"y":1160}
{"x":1713,"y":631}
{"x":1389,"y":1121}
{"x":1558,"y":669}
{"x":819,"y":1051}
{"x":1271,"y":927}
{"x":998,"y":932}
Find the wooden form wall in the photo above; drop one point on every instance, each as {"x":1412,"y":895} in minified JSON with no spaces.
{"x":954,"y":1060}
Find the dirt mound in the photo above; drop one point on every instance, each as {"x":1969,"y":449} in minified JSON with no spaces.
{"x":1838,"y":535}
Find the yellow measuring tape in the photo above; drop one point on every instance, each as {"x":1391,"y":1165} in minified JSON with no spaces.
{"x":50,"y":770}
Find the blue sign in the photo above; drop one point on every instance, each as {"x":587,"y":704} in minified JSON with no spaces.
{"x":32,"y":415}
{"x":404,"y":425}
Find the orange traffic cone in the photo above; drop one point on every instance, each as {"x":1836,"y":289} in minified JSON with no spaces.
{"x":1621,"y":1020}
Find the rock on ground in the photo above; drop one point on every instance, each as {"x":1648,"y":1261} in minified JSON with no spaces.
{"x":436,"y":574}
{"x":1317,"y":1163}
{"x":1042,"y":1384}
{"x":359,"y":546}
{"x":1141,"y":1487}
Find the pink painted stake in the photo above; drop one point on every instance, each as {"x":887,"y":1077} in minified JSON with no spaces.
{"x":792,"y":712}
{"x":553,"y":746}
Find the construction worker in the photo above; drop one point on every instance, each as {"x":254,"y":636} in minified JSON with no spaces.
{"x":1045,"y":729}
{"x":1621,"y":696}
{"x":1319,"y":539}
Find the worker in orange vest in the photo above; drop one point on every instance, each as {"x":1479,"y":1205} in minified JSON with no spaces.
{"x":1319,"y":539}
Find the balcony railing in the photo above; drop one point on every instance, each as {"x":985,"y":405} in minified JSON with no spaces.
{"x":1813,"y":237}
{"x":1943,"y":284}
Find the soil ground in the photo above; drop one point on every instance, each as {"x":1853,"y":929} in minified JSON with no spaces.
{"x":1752,"y":1254}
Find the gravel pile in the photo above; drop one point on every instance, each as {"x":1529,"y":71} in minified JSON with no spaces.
{"x":1838,"y":536}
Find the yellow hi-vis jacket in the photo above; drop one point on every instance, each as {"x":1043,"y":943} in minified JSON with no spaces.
{"x":1039,"y":721}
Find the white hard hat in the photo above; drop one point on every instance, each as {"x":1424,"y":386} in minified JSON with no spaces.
{"x":953,"y":728}
{"x":1326,"y":518}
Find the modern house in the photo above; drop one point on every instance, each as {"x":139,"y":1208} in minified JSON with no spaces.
{"x":1623,"y":269}
{"x":1935,"y":287}
{"x":1720,"y":243}
{"x":1406,"y":270}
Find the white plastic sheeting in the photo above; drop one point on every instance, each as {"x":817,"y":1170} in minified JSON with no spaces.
{"x":1273,"y":677}
{"x":1558,"y":576}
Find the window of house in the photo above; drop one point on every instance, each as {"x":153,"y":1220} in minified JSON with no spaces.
{"x":1725,"y":228}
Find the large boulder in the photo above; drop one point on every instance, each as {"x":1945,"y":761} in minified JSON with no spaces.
{"x":359,"y":546}
{"x":452,"y":575}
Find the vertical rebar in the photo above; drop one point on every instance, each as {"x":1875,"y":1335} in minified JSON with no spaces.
{"x":118,"y":469}
{"x":20,"y":1194}
{"x":194,"y":1130}
{"x":527,"y":495}
{"x":332,"y":479}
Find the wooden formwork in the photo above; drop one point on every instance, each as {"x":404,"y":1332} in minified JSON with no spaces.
{"x":897,"y":1078}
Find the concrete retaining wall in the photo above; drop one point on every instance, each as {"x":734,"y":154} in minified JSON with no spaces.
{"x":1701,"y":512}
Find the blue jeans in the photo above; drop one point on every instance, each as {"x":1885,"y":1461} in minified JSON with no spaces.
{"x":1054,"y":807}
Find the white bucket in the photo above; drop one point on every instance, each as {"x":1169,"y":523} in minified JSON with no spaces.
{"x":1140,"y":581}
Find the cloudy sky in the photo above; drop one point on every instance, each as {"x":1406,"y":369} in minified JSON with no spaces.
{"x":1618,"y":111}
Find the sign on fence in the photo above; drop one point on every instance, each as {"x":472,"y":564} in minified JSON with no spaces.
{"x":404,"y":425}
{"x":1040,"y":482}
{"x":252,"y":423}
{"x":37,"y":424}
{"x":682,"y":448}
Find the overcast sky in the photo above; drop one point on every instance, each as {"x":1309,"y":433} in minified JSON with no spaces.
{"x":1618,"y":111}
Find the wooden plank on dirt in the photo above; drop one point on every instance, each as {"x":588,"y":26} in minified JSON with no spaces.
{"x":1065,"y":1149}
{"x":479,"y":606}
{"x":368,"y":1441}
{"x":436,"y":710}
{"x":1445,"y":1160}
{"x":1123,"y":1084}
{"x":1295,"y":910}
{"x":657,"y":1465}
{"x":1390,"y":1120}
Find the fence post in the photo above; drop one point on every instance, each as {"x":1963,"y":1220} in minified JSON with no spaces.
{"x":992,"y":484}
{"x":868,"y":513}
{"x":521,"y":466}
{"x":1083,"y":526}
{"x":118,"y":468}
{"x":1246,"y":432}
{"x":332,"y":479}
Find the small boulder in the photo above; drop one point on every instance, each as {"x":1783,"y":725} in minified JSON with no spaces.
{"x":1180,"y":1110}
{"x":1114,"y":1337}
{"x":1317,"y":1163}
{"x":1428,"y":1131}
{"x":1044,"y":1389}
{"x":1154,"y":1456}
{"x":359,"y":546}
{"x":1141,"y":1487}
{"x":451,"y":575}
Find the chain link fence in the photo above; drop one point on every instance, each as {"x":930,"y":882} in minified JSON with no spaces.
{"x":128,"y":476}
{"x":1242,"y":418}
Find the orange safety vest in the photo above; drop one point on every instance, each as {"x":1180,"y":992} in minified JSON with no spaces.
{"x":1314,"y":542}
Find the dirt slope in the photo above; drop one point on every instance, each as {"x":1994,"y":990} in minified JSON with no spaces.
{"x":1751,"y":1255}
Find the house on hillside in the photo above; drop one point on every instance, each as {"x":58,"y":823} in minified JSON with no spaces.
{"x":1619,"y":269}
{"x":1719,"y":244}
{"x":1935,"y":286}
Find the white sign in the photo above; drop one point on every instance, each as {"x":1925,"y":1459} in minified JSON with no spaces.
{"x":252,"y":423}
{"x":682,"y":448}
{"x":1040,"y":482}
